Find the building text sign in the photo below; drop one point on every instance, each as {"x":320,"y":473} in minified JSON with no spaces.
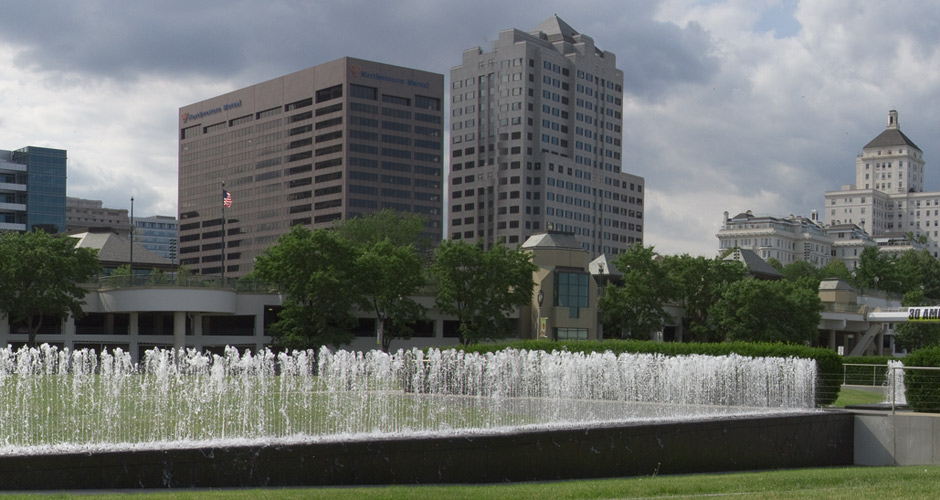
{"x":923,"y":314}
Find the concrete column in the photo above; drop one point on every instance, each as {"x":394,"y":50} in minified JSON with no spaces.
{"x":259,"y":323}
{"x":832,"y":340}
{"x":179,"y":330}
{"x":68,"y":331}
{"x":258,"y":332}
{"x":196,"y":325}
{"x":68,"y":325}
{"x":133,"y":336}
{"x":109,"y":324}
{"x":133,"y":330}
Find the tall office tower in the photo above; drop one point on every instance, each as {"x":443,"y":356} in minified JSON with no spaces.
{"x":536,"y":128}
{"x":334,"y":141}
{"x":32,"y":189}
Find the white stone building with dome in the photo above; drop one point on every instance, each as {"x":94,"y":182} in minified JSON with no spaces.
{"x":888,"y":200}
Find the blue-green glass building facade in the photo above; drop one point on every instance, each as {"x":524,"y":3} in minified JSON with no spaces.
{"x":32,"y":189}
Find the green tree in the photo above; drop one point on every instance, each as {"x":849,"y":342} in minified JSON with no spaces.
{"x":389,"y":276}
{"x":390,"y":269}
{"x":698,"y":284}
{"x":800,"y":269}
{"x":41,"y":276}
{"x":921,"y":238}
{"x":401,"y":229}
{"x":913,"y":336}
{"x":121,"y":276}
{"x":157,"y":277}
{"x":776,"y":264}
{"x":314,"y":270}
{"x":768,"y":311}
{"x":635,"y":309}
{"x":876,"y":271}
{"x":836,"y":269}
{"x":918,"y":270}
{"x":184,"y":276}
{"x":482,"y":287}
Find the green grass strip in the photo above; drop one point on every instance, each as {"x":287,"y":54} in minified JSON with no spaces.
{"x":914,"y":482}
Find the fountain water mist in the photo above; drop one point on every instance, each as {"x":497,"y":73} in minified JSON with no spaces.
{"x":894,"y":384}
{"x":53,"y":400}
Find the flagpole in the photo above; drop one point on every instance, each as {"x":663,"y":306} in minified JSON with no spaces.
{"x":223,"y":234}
{"x":130,"y":266}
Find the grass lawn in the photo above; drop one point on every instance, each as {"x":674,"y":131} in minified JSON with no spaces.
{"x":836,"y":483}
{"x":859,"y":396}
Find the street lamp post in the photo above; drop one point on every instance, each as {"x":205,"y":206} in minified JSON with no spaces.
{"x":130,"y":266}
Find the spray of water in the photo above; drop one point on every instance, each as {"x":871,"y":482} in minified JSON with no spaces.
{"x":57,"y":399}
{"x":894,"y":384}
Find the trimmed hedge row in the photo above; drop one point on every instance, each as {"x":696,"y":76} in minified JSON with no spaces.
{"x":828,"y":363}
{"x":921,"y":386}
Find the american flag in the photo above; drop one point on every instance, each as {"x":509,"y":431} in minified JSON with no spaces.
{"x":226,"y":199}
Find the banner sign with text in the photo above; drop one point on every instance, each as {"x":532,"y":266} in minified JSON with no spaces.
{"x":923,"y":314}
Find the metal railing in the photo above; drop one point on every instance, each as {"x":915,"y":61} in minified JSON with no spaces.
{"x":177,"y":280}
{"x":843,"y":308}
{"x":874,"y":373}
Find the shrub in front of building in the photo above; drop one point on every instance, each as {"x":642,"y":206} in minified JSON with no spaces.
{"x":921,"y":386}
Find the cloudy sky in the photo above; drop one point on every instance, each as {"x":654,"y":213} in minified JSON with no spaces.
{"x":730,"y":105}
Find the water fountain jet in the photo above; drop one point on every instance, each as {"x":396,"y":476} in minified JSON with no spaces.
{"x":61,"y":402}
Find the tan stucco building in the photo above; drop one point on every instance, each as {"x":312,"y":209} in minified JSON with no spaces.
{"x":568,"y":292}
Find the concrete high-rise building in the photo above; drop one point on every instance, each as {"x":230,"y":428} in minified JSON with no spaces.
{"x":337,"y":140}
{"x":536,"y":131}
{"x":888,"y":199}
{"x":32,"y":189}
{"x":85,"y":215}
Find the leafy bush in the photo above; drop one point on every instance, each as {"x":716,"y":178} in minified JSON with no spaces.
{"x":921,"y":386}
{"x":828,"y":363}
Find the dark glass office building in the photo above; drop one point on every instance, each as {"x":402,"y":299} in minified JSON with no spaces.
{"x":32,"y":189}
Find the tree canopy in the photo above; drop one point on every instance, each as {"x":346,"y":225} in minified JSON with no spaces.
{"x":40,"y":277}
{"x":482,"y":287}
{"x":719,"y":300}
{"x":635,"y":309}
{"x":768,"y":311}
{"x":698,"y":282}
{"x":836,"y":269}
{"x":913,"y":336}
{"x":312,"y":268}
{"x":371,"y":262}
{"x":401,"y":229}
{"x":389,"y":269}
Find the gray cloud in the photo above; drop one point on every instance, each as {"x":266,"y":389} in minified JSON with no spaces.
{"x":657,"y":57}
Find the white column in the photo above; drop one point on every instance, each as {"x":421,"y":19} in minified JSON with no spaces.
{"x":133,"y":335}
{"x":179,"y":330}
